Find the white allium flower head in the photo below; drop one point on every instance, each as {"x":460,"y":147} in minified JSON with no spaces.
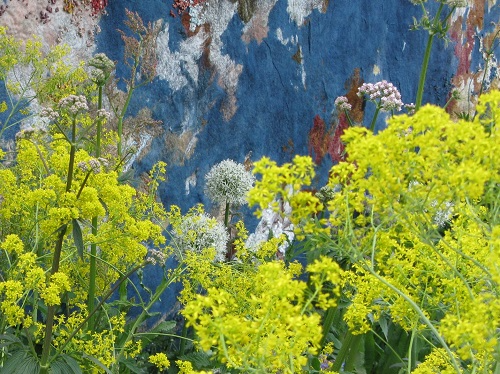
{"x":228,"y":182}
{"x":198,"y":232}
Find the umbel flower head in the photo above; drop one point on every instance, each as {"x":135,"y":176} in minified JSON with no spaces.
{"x":383,"y":93}
{"x":228,"y":182}
{"x":197,"y":232}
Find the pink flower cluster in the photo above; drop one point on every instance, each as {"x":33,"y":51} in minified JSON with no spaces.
{"x":342,"y":104}
{"x":383,"y":93}
{"x":74,"y":104}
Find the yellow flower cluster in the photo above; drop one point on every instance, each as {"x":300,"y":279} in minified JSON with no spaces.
{"x":415,"y":217}
{"x":259,"y":317}
{"x":288,"y":184}
{"x":160,"y":360}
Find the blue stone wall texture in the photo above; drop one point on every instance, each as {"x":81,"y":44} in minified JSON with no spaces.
{"x":234,"y":88}
{"x":242,"y":79}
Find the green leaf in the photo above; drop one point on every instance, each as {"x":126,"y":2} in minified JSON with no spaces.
{"x":132,"y":366}
{"x":165,"y":326}
{"x":77,"y":237}
{"x":97,"y":362}
{"x":383,"y":323}
{"x":21,"y":363}
{"x":65,"y":365}
{"x":200,"y":360}
{"x":13,"y":362}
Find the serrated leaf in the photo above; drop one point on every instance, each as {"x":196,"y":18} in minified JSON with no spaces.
{"x":13,"y":362}
{"x":21,"y":363}
{"x":98,"y":363}
{"x":132,"y":366}
{"x":71,"y":365}
{"x":383,"y":323}
{"x":78,"y":237}
{"x":200,"y":360}
{"x":165,"y":326}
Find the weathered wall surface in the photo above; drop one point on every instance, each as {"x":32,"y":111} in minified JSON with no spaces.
{"x":248,"y":78}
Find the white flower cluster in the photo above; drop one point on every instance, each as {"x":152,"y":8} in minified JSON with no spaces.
{"x":50,"y":113}
{"x":443,"y":215}
{"x":102,"y":62}
{"x":103,"y":68}
{"x":155,"y":256}
{"x":228,"y":182}
{"x":198,"y":232}
{"x":384,"y":92}
{"x":93,"y":164}
{"x":342,"y":104}
{"x":103,"y":114}
{"x":74,"y":104}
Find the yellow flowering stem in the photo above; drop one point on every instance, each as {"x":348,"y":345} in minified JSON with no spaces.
{"x":47,"y":343}
{"x":98,"y":306}
{"x":14,"y":109}
{"x":93,"y":246}
{"x":421,"y":314}
{"x":49,"y":324}
{"x":165,"y":283}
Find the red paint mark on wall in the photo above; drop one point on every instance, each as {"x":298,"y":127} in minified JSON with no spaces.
{"x":318,"y":139}
{"x":336,"y":148}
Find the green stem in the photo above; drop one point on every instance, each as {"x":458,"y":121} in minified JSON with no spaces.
{"x":49,"y":324}
{"x":344,"y":350}
{"x":351,"y":358}
{"x":93,"y":246}
{"x":351,"y":124}
{"x":122,"y":114}
{"x":99,"y":125}
{"x":91,"y":313}
{"x":165,"y":283}
{"x":182,"y":346}
{"x":427,"y":56}
{"x":327,"y":323}
{"x":421,"y":314}
{"x":410,"y":351}
{"x":423,"y":72}
{"x":374,"y":119}
{"x":226,"y":215}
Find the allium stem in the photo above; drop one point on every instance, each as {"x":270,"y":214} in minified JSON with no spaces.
{"x":226,"y":215}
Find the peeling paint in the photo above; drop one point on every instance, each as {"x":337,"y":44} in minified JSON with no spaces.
{"x":300,"y":9}
{"x":171,"y":64}
{"x":256,"y":27}
{"x":190,"y":182}
{"x":376,"y":70}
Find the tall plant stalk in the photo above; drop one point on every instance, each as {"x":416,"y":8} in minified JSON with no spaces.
{"x":56,"y":259}
{"x":93,"y":246}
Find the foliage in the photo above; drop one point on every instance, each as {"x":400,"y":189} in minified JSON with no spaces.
{"x":394,"y":267}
